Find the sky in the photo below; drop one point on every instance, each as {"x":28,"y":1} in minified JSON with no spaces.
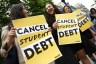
{"x":86,"y":3}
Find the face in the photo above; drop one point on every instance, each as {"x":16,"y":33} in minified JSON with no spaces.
{"x":67,"y":9}
{"x":49,"y":9}
{"x":93,"y":10}
{"x":25,"y":11}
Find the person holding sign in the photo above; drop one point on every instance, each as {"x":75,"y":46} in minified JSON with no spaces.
{"x":92,"y":13}
{"x":77,"y":48}
{"x":93,"y":19}
{"x":89,"y":47}
{"x":88,"y":39}
{"x":10,"y":48}
{"x":50,"y":11}
{"x":92,"y":47}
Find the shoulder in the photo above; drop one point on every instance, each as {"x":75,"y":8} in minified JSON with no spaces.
{"x":4,"y":31}
{"x":5,"y":28}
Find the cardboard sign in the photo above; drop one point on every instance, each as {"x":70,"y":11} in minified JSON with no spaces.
{"x":83,"y":21}
{"x":36,"y":42}
{"x":68,"y":29}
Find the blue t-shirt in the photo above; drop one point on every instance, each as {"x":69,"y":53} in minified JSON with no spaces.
{"x":94,"y":28}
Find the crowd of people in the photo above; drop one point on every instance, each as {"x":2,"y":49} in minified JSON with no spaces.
{"x":72,"y":53}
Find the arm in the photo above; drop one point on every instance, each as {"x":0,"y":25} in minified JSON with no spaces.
{"x":55,"y":25}
{"x":7,"y":41}
{"x":51,"y":22}
{"x":92,"y":31}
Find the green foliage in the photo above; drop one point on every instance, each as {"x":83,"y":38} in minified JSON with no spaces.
{"x":4,"y":12}
{"x":36,"y":7}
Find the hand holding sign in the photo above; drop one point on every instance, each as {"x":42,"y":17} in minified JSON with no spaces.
{"x":11,"y":37}
{"x":55,"y":25}
{"x":49,"y":29}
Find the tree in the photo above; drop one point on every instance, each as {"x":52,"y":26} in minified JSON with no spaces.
{"x":94,"y":0}
{"x":36,"y":7}
{"x":4,"y":9}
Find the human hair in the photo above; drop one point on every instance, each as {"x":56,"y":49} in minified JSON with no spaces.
{"x":55,"y":10}
{"x":50,"y":18}
{"x":68,"y":7}
{"x":16,"y":11}
{"x":91,"y":10}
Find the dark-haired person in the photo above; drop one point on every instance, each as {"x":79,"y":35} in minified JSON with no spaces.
{"x":92,"y":13}
{"x":86,"y":36}
{"x":93,"y":31}
{"x":68,"y":57}
{"x":10,"y":48}
{"x":93,"y":19}
{"x":78,"y":49}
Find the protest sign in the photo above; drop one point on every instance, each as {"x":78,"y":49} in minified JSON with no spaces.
{"x":36,"y":42}
{"x":83,"y":21}
{"x":68,"y":29}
